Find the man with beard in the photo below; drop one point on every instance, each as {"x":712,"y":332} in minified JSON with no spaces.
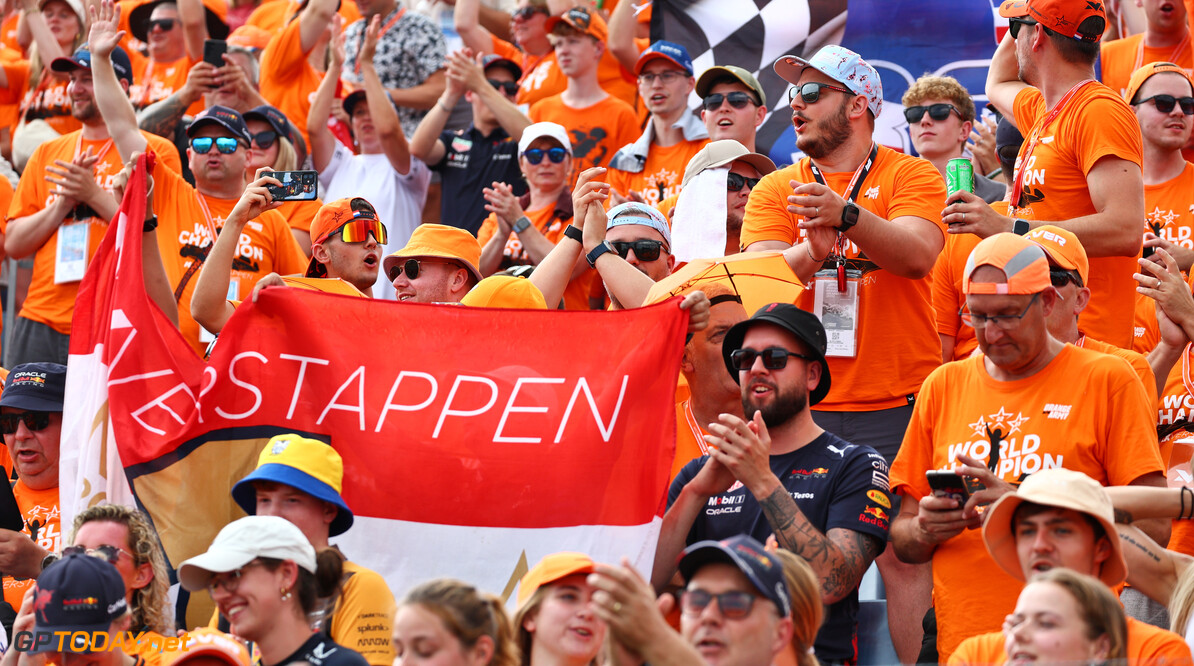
{"x":64,"y":197}
{"x":780,"y":474}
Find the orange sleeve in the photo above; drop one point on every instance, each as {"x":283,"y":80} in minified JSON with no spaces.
{"x":18,"y":81}
{"x":284,"y":52}
{"x":766,"y":215}
{"x":1132,"y":448}
{"x":166,"y":151}
{"x":944,"y":297}
{"x":982,"y":650}
{"x":920,"y":192}
{"x":1106,"y":127}
{"x":1027,"y":108}
{"x":29,"y":196}
{"x":505,"y":49}
{"x":488,"y":228}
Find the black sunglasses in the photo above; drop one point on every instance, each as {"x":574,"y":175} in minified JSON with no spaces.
{"x":508,"y":87}
{"x":34,"y":421}
{"x":938,"y":112}
{"x":1060,"y":277}
{"x":1165,"y":103}
{"x":535,"y":155}
{"x":165,"y":25}
{"x":774,"y":358}
{"x":225,"y":144}
{"x":265,"y":139}
{"x":737,"y":99}
{"x":735,"y":182}
{"x":1013,"y":26}
{"x":411,"y":267}
{"x":645,"y":250}
{"x":811,"y":92}
{"x":527,"y":12}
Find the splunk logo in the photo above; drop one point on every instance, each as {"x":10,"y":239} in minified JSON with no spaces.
{"x":96,"y":641}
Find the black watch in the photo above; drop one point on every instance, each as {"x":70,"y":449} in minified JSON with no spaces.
{"x":849,"y":217}
{"x":596,"y":252}
{"x":574,"y":233}
{"x":48,"y":560}
{"x":1020,"y":226}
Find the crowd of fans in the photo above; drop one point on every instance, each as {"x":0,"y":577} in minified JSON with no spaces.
{"x":983,"y":390}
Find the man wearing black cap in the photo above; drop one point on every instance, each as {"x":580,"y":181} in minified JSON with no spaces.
{"x":67,"y":214}
{"x":779,"y":473}
{"x":487,"y":152}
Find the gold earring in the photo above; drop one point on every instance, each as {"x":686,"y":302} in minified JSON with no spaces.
{"x":286,"y":594}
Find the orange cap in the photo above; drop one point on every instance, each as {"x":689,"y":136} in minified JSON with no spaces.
{"x":1021,"y":260}
{"x":504,"y":291}
{"x":1078,"y":19}
{"x":1144,"y":73}
{"x":437,"y":241}
{"x":1062,"y":248}
{"x":332,"y":216}
{"x":581,"y":20}
{"x":250,"y":37}
{"x":207,"y":642}
{"x":550,"y":569}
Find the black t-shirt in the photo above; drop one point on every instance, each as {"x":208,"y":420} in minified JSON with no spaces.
{"x":835,"y":484}
{"x":470,"y":163}
{"x":319,"y":650}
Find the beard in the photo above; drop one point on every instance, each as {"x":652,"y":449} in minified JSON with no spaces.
{"x":833,"y":132}
{"x":83,"y":111}
{"x":786,"y":405}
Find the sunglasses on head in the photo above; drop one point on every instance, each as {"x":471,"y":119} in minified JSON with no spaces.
{"x":774,"y":358}
{"x":525,"y":13}
{"x":1013,"y":26}
{"x":811,"y":92}
{"x":645,"y":250}
{"x":938,"y":112}
{"x":165,"y":25}
{"x":733,"y":605}
{"x":105,"y":552}
{"x":358,"y":230}
{"x":535,"y":155}
{"x":737,"y":99}
{"x":265,"y":139}
{"x":735,"y":182}
{"x":225,"y":144}
{"x":1165,"y":103}
{"x":508,"y":87}
{"x":34,"y":421}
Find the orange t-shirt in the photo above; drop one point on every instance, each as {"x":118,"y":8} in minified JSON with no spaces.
{"x":287,"y":79}
{"x":39,"y":507}
{"x":948,"y":297}
{"x":689,"y":444}
{"x":1101,"y":425}
{"x":596,"y":132}
{"x":1146,"y":333}
{"x":541,"y":76}
{"x":49,"y":303}
{"x":1118,"y":58}
{"x":616,"y":80}
{"x":576,"y":294}
{"x":44,"y":100}
{"x":661,"y":174}
{"x":1146,"y":645}
{"x":273,"y":16}
{"x":1170,"y":208}
{"x":184,"y":233}
{"x":8,"y":32}
{"x":1138,"y":361}
{"x":298,"y":214}
{"x":155,"y":81}
{"x":876,"y":378}
{"x":1095,"y":124}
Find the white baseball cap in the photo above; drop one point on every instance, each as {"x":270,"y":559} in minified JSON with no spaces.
{"x":540,"y":130}
{"x":243,"y":541}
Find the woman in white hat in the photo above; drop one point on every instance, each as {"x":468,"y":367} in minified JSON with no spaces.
{"x":264,"y":576}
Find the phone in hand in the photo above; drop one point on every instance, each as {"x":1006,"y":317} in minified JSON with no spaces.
{"x":948,"y":484}
{"x":213,"y":51}
{"x":296,"y":185}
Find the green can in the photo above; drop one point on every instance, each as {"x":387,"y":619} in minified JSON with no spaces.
{"x":959,"y":175}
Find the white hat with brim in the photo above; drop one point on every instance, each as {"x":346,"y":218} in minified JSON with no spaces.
{"x":243,"y":541}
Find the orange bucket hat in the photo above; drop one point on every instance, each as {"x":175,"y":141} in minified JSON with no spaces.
{"x":437,"y":241}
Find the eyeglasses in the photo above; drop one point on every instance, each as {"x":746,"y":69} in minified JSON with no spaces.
{"x":644,"y":250}
{"x":225,"y":144}
{"x":733,"y":605}
{"x":265,"y":139}
{"x":228,"y":582}
{"x":1165,"y":103}
{"x":667,"y":77}
{"x":510,"y":88}
{"x":525,"y":13}
{"x":1013,"y":26}
{"x":1005,"y":322}
{"x":104,"y":552}
{"x":358,"y":230}
{"x":737,"y":99}
{"x":774,"y":358}
{"x":165,"y":25}
{"x":34,"y":422}
{"x":535,"y":155}
{"x":811,"y":92}
{"x":1060,"y":277}
{"x":938,"y":112}
{"x":735,"y":182}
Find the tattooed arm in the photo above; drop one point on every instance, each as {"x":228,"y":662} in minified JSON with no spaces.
{"x":1134,"y":503}
{"x":1151,"y":569}
{"x":162,"y":117}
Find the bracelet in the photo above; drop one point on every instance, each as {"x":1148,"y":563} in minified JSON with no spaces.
{"x":440,"y":104}
{"x":995,"y":172}
{"x":808,"y":247}
{"x":1186,"y":490}
{"x":575,"y":234}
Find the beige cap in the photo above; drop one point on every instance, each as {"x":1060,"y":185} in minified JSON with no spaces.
{"x":709,"y":76}
{"x":1064,"y":489}
{"x":722,"y":152}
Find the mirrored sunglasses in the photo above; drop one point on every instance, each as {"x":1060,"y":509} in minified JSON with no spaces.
{"x":358,"y":230}
{"x":535,"y":155}
{"x":225,"y":144}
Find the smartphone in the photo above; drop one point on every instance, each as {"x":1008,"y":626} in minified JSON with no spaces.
{"x":10,"y":514}
{"x":948,"y":484}
{"x":213,"y":51}
{"x":296,"y":185}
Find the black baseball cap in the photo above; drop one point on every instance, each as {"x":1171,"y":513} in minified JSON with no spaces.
{"x":38,"y":387}
{"x":804,"y":325}
{"x":494,"y":60}
{"x":229,"y":119}
{"x":761,"y":568}
{"x":358,"y":96}
{"x":77,"y":593}
{"x":274,"y":117}
{"x":82,"y":60}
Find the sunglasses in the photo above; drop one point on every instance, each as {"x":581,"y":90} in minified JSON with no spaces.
{"x":34,"y":422}
{"x":1013,"y":26}
{"x":508,"y":87}
{"x":937,"y":112}
{"x":645,"y":250}
{"x":105,"y":552}
{"x":737,"y":99}
{"x":225,"y":144}
{"x":1060,"y":277}
{"x":358,"y":230}
{"x":265,"y":139}
{"x":774,"y":358}
{"x":811,"y":92}
{"x":411,"y":267}
{"x":733,"y":605}
{"x":1165,"y":103}
{"x":165,"y":25}
{"x":735,"y":182}
{"x":525,"y":13}
{"x":535,"y":155}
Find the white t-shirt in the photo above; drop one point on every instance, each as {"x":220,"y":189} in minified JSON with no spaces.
{"x":398,"y":199}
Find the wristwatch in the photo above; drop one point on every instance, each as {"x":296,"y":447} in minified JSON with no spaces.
{"x":1020,"y":227}
{"x":849,"y":217}
{"x":575,"y":234}
{"x":592,"y":256}
{"x":521,"y":224}
{"x":48,"y":560}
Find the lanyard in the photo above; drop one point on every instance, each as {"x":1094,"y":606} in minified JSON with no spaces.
{"x":103,"y":149}
{"x":211,"y":226}
{"x":853,"y":188}
{"x":1186,"y":368}
{"x":385,"y":29}
{"x":1178,"y":52}
{"x":696,"y":428}
{"x":1034,"y":139}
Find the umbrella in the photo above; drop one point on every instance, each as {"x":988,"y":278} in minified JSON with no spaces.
{"x":758,"y":277}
